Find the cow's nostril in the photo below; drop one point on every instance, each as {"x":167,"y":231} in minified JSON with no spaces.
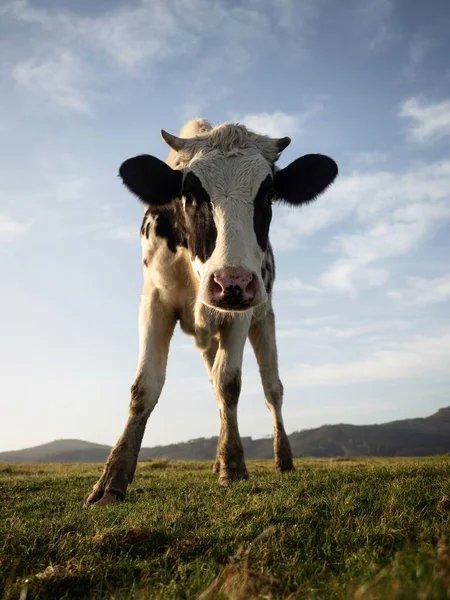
{"x":233,"y":287}
{"x":216,"y":287}
{"x":252,"y":287}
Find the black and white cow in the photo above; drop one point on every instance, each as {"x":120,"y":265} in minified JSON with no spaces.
{"x":208,"y":265}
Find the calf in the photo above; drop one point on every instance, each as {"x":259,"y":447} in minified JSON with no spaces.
{"x":208,"y":264}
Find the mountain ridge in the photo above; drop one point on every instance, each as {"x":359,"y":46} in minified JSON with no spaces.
{"x":421,"y":436}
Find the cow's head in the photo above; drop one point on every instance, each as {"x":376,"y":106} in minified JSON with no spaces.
{"x":225,"y":182}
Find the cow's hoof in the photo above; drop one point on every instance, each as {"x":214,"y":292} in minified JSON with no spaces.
{"x":230,"y":475}
{"x":101,"y":498}
{"x":283,"y":465}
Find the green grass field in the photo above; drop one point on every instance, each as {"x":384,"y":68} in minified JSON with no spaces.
{"x":340,"y":528}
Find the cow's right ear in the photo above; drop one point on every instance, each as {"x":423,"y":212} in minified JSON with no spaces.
{"x":151,"y":179}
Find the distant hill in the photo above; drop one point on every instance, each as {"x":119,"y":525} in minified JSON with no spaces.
{"x":59,"y":451}
{"x":409,"y":437}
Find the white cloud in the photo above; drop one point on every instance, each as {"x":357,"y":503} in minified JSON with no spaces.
{"x":278,"y":123}
{"x":359,"y":251}
{"x":159,"y":29}
{"x":134,"y":34}
{"x":358,"y":332}
{"x":422,"y":291}
{"x":390,"y":213}
{"x":347,"y":275}
{"x":10,"y":229}
{"x":418,"y":357}
{"x":427,"y":121}
{"x":129,"y":34}
{"x":296,"y":285}
{"x":218,"y":38}
{"x":21,"y":10}
{"x":58,"y":79}
{"x":390,"y":237}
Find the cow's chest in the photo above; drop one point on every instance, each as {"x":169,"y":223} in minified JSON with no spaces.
{"x":172,"y":275}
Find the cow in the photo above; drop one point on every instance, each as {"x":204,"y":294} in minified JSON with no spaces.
{"x":209,"y":266}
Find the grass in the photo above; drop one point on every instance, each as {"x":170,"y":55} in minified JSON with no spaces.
{"x":369,"y":529}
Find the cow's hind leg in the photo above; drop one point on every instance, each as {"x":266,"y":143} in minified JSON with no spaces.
{"x":226,"y":377}
{"x":156,"y":325}
{"x":262,"y":338}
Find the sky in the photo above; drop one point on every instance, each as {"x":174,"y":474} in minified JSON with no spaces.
{"x":362,"y":295}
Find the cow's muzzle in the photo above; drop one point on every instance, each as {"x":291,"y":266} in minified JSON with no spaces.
{"x":233,"y":288}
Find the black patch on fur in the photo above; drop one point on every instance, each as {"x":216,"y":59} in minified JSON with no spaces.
{"x":262,"y":213}
{"x":231,"y":389}
{"x":167,"y":228}
{"x":201,"y":230}
{"x":152,"y":180}
{"x":268,"y":269}
{"x":305,"y":178}
{"x":168,"y":224}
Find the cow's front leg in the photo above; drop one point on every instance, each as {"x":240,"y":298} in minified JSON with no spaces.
{"x":209,"y":356}
{"x":156,"y":325}
{"x":262,"y":338}
{"x":226,"y":378}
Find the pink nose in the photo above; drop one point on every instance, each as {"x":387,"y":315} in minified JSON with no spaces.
{"x":234,"y":287}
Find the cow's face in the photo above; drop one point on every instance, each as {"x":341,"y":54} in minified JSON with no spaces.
{"x":226,"y":196}
{"x":227,"y":206}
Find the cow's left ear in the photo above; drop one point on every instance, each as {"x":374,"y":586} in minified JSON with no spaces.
{"x":305,"y":178}
{"x":151,"y":179}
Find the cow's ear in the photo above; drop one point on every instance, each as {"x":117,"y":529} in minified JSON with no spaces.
{"x":151,"y":179}
{"x":305,"y":178}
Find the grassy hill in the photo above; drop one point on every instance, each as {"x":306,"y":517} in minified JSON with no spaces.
{"x":344,"y":529}
{"x":409,"y":437}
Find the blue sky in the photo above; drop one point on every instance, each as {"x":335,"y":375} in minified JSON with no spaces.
{"x":363,"y":289}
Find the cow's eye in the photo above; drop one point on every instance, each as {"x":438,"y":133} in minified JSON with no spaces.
{"x":270,"y":192}
{"x":188,"y":197}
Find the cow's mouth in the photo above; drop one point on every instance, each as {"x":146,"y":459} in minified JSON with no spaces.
{"x":231,"y":307}
{"x":233,"y":300}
